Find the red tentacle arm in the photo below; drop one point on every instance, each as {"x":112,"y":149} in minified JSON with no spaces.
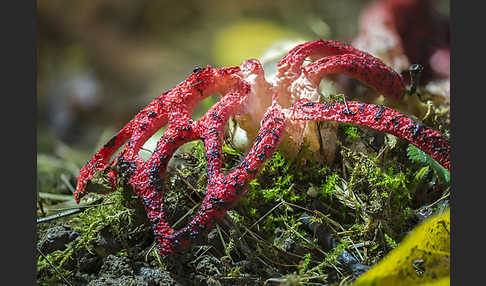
{"x":377,"y":117}
{"x":176,"y":107}
{"x":99,"y":162}
{"x":174,"y":104}
{"x":372,"y":73}
{"x":336,"y":58}
{"x":147,"y":180}
{"x":223,"y":191}
{"x":293,"y":61}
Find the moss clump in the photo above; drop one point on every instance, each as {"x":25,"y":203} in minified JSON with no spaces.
{"x":384,"y":192}
{"x":58,"y":259}
{"x":286,"y":180}
{"x":117,"y":213}
{"x":332,"y":257}
{"x":351,"y":131}
{"x":391,"y":243}
{"x":120,"y":214}
{"x":329,"y":187}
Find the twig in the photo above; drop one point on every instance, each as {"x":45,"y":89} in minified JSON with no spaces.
{"x":208,"y":248}
{"x":146,"y":150}
{"x":81,"y":207}
{"x":342,"y":233}
{"x":345,"y":280}
{"x":346,"y":104}
{"x":362,"y":244}
{"x":150,"y":251}
{"x":185,"y":215}
{"x":356,"y":249}
{"x":314,"y":245}
{"x":218,"y":228}
{"x":69,"y":212}
{"x":447,"y":194}
{"x":260,"y":219}
{"x":59,"y":215}
{"x":189,"y":185}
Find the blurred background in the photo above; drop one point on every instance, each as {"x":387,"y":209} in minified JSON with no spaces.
{"x":100,"y":62}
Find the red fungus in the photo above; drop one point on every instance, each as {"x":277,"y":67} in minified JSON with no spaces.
{"x":237,"y":84}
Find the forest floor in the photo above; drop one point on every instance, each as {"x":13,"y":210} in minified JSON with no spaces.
{"x":301,"y":222}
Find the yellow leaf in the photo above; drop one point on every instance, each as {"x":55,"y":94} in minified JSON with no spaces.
{"x":423,"y":257}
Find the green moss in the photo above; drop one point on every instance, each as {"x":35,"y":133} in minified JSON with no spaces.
{"x":374,"y":247}
{"x":383,"y":187}
{"x":278,"y":161}
{"x":281,"y":190}
{"x":272,"y":222}
{"x":304,"y":265}
{"x":331,"y":257}
{"x":366,"y":173}
{"x":57,"y":259}
{"x":338,"y":97}
{"x":236,"y":217}
{"x":328,"y":188}
{"x":287,"y":180}
{"x":351,"y":131}
{"x":275,"y":183}
{"x":116,"y":213}
{"x":391,"y":243}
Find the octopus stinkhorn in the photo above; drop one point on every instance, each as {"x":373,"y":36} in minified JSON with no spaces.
{"x":287,"y":101}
